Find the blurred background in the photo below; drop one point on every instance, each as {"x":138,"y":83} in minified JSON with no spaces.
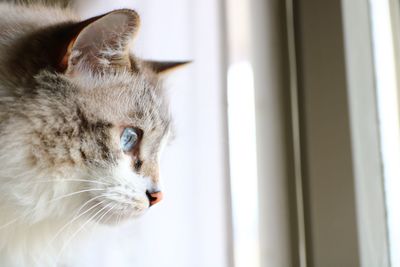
{"x":288,"y":142}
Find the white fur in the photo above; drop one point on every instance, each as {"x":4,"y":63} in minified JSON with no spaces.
{"x":40,"y":207}
{"x":45,"y":209}
{"x":33,"y":208}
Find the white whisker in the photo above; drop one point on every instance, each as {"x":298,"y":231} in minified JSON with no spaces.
{"x":99,"y":220}
{"x":10,"y":222}
{"x":61,"y":180}
{"x":75,"y":193}
{"x":76,"y":232}
{"x":76,"y":217}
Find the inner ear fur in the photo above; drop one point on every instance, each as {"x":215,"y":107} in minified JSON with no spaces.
{"x":100,"y":42}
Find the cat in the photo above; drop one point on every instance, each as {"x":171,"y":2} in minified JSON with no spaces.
{"x":82,"y":124}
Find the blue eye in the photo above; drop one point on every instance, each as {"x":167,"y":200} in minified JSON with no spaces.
{"x":129,"y":139}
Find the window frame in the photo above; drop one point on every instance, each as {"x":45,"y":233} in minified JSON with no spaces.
{"x":341,"y":172}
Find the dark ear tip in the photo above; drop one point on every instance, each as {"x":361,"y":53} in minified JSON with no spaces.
{"x":179,"y":64}
{"x":165,"y":66}
{"x":132,"y":14}
{"x":187,"y":62}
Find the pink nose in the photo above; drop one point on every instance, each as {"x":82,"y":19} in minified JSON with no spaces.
{"x":155,"y":197}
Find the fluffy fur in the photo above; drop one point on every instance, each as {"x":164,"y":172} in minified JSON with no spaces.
{"x":67,"y":90}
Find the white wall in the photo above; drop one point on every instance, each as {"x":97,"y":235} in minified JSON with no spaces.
{"x":190,"y":228}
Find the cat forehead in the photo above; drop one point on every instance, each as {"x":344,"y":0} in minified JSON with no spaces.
{"x":126,"y":99}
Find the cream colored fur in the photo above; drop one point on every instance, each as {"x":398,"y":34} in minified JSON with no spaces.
{"x":62,"y":169}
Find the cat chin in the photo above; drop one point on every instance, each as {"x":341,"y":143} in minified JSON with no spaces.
{"x":120,"y":218}
{"x":119,"y":215}
{"x":117,"y":219}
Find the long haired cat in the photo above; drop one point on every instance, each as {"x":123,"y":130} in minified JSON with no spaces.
{"x":82,"y":125}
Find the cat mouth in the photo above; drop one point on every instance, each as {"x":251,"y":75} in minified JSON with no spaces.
{"x":118,"y":212}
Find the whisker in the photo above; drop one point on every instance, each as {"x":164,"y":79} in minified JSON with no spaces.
{"x":111,"y":213}
{"x":79,"y":230}
{"x":119,"y":218}
{"x":76,"y":217}
{"x":61,"y":180}
{"x":100,"y":218}
{"x":75,"y":193}
{"x":87,"y":202}
{"x":130,"y":186}
{"x":48,"y":202}
{"x":10,"y":222}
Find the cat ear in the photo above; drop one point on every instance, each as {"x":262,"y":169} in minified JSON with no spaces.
{"x":161,"y":67}
{"x":102,"y":42}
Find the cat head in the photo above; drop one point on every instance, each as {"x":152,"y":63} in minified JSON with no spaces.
{"x":94,"y":118}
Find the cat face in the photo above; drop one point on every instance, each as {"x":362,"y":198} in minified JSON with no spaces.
{"x":93,"y":119}
{"x":133,"y":124}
